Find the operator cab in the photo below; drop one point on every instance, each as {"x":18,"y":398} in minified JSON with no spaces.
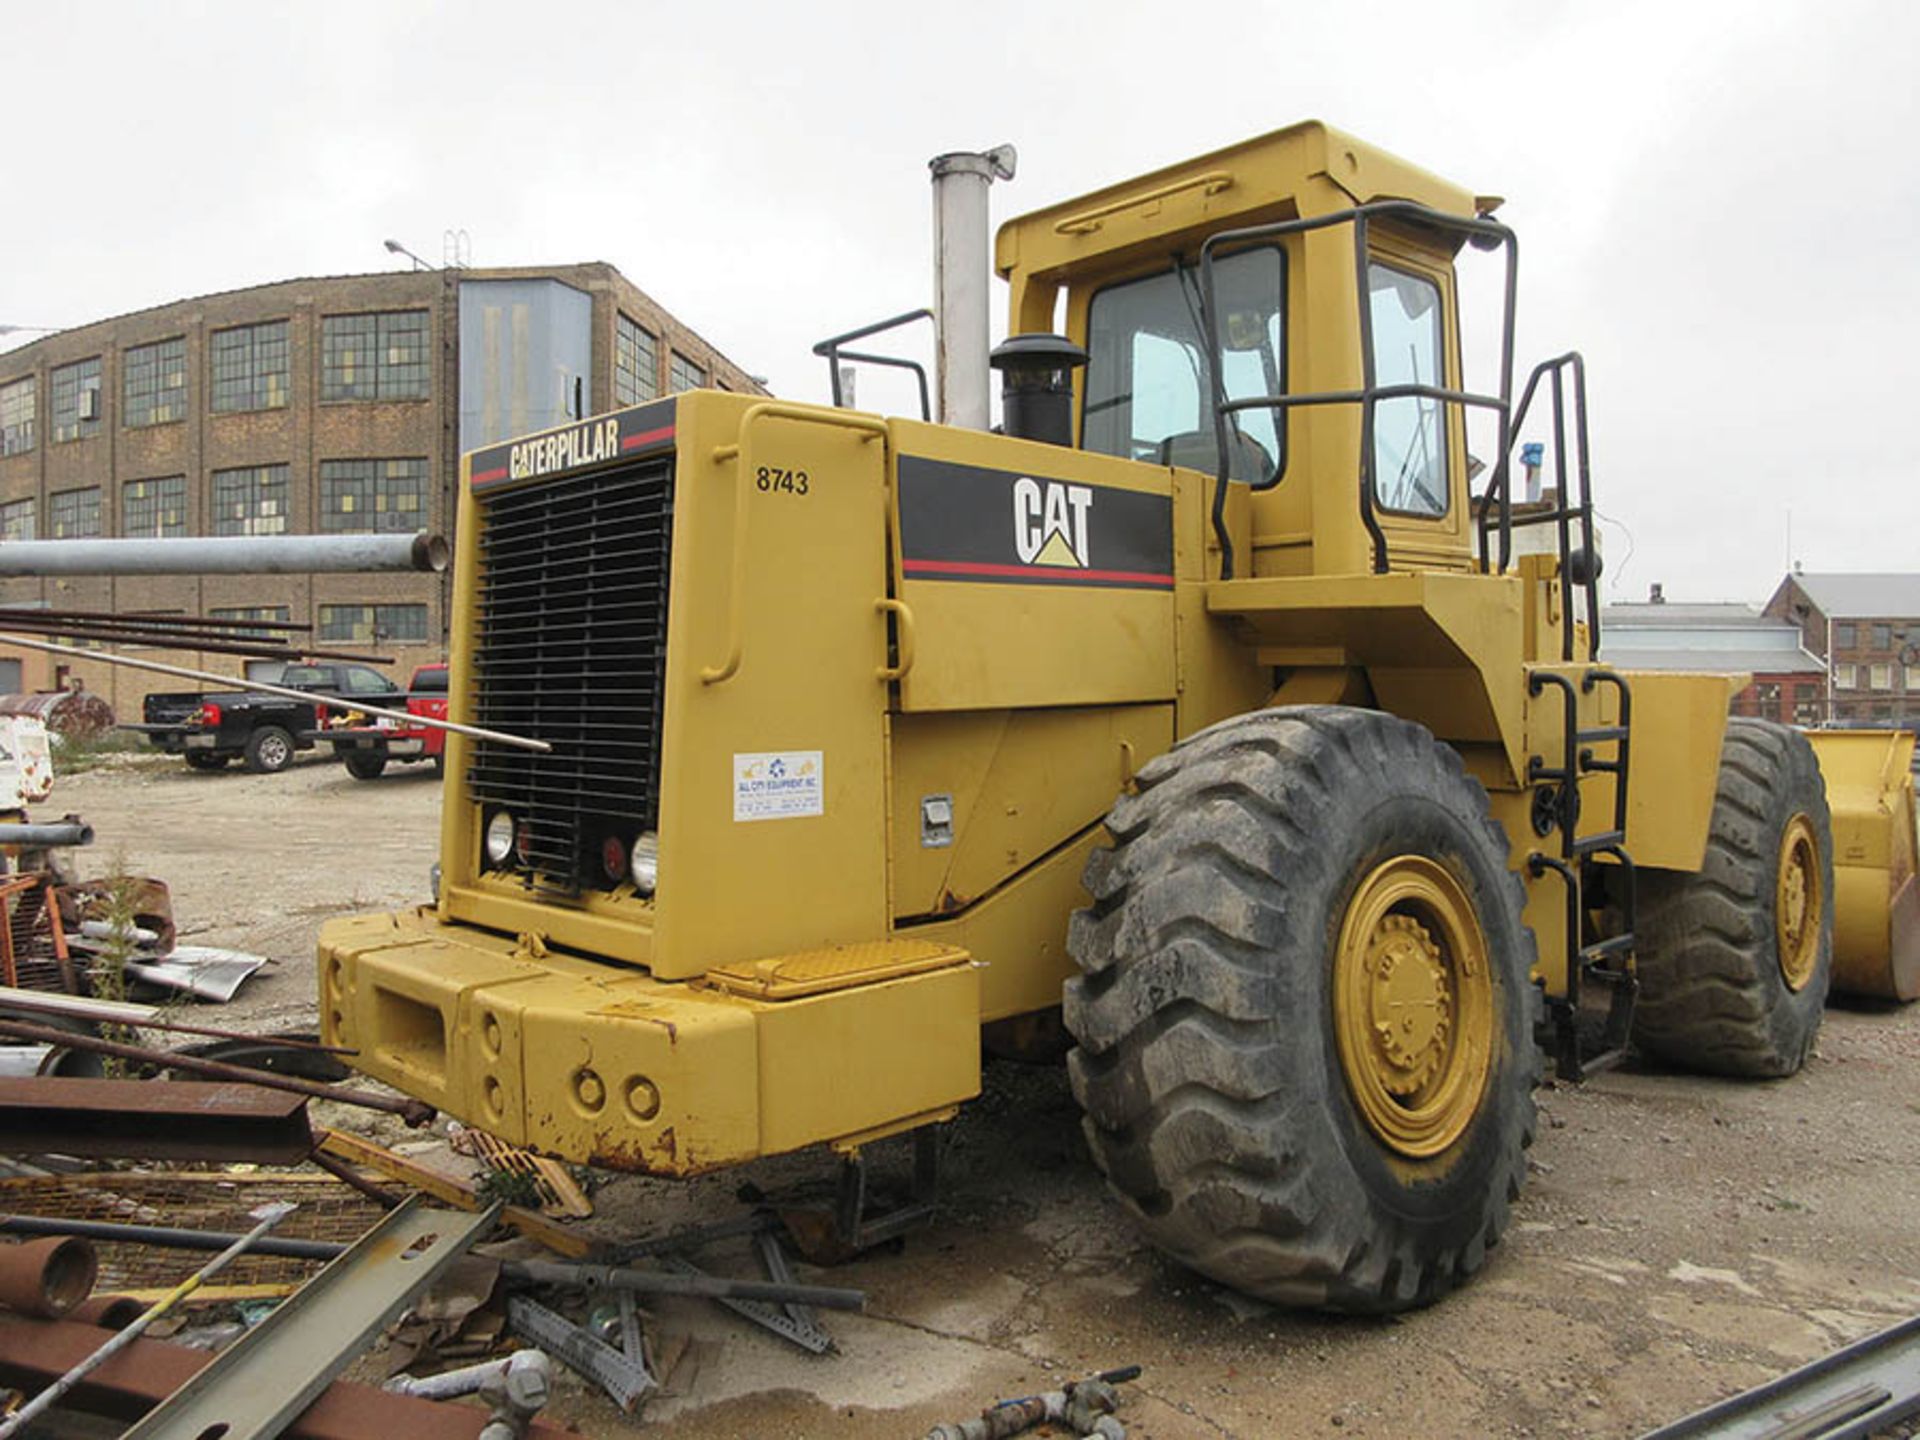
{"x":1250,"y":301}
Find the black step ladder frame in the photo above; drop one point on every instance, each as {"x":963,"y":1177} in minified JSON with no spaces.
{"x":1608,"y":961}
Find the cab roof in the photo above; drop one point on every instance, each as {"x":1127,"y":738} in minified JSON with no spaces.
{"x":1306,"y":169}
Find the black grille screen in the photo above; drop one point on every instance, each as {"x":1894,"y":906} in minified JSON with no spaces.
{"x":571,"y":649}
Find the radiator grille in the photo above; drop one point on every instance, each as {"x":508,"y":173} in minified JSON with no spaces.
{"x":571,"y":649}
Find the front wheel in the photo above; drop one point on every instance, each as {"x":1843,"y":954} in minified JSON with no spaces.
{"x":269,"y":750}
{"x":1305,"y":1022}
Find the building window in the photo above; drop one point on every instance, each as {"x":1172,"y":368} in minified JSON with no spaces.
{"x":1880,"y":677}
{"x":374,"y":357}
{"x":250,"y":367}
{"x":1883,"y":637}
{"x":16,"y":520}
{"x":683,"y":374}
{"x":74,"y":514}
{"x":76,"y":401}
{"x":18,"y":404}
{"x":1843,"y":636}
{"x":1844,"y":677}
{"x":156,"y":384}
{"x":379,"y":495}
{"x":251,"y":501}
{"x":1910,"y":679}
{"x":279,"y":614}
{"x":636,"y":363}
{"x":154,"y":509}
{"x":373,"y":624}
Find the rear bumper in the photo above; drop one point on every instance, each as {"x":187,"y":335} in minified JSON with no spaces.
{"x":602,"y":1064}
{"x":369,"y":742}
{"x":173,"y":739}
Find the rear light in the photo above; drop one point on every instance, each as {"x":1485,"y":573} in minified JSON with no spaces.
{"x":207,"y":715}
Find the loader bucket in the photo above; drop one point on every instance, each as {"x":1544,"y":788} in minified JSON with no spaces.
{"x":1876,"y":915}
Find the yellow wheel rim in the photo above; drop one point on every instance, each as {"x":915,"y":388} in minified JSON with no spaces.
{"x":1413,"y":1006}
{"x":1798,"y":904}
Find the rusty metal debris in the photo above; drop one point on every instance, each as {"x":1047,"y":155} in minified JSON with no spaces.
{"x":47,"y":1277}
{"x":1085,"y":1407}
{"x":317,"y":1332}
{"x":35,"y":1352}
{"x":356,"y":1151}
{"x":270,"y":1216}
{"x":188,"y":1202}
{"x":138,"y":1120}
{"x":414,"y":1112}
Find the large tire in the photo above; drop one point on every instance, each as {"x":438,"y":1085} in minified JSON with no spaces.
{"x":269,"y":750}
{"x":206,"y":760}
{"x":1241,"y":960}
{"x":362,"y":765}
{"x":1734,"y":959}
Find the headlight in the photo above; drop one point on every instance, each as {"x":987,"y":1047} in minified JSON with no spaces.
{"x":646,"y":863}
{"x":500,"y":834}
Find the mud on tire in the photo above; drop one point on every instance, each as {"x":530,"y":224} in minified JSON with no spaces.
{"x":1208,"y":1056}
{"x":1724,"y":987}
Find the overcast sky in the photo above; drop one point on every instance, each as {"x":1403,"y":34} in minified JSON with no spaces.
{"x":1716,"y":202}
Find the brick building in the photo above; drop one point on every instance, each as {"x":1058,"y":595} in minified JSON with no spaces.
{"x":308,"y":406}
{"x":1788,"y":684}
{"x":1866,"y":630}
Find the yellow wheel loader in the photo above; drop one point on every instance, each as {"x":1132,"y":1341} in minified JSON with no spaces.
{"x":1207,"y":725}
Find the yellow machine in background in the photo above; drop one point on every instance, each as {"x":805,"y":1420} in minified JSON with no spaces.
{"x":1206,"y":722}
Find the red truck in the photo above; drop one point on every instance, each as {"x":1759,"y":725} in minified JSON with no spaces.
{"x":366,"y":747}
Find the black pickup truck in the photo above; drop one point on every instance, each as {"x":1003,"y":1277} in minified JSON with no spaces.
{"x":210,"y":730}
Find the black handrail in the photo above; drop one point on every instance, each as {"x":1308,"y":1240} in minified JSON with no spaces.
{"x":830,"y":349}
{"x":1478,"y":231}
{"x":1565,"y":512}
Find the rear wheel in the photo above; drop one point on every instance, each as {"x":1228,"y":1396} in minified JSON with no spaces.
{"x":206,"y":760}
{"x":364,"y":766}
{"x":269,"y":750}
{"x":1734,"y":959}
{"x":1305,"y":1020}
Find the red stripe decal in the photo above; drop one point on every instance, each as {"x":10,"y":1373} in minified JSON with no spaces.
{"x":484,"y":477}
{"x":649,"y":437}
{"x":1032,"y":572}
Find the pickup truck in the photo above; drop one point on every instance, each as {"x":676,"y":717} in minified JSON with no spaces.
{"x":365,"y":749}
{"x":211,"y":730}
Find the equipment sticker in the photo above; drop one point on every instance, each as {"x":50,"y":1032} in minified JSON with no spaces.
{"x":779,"y":785}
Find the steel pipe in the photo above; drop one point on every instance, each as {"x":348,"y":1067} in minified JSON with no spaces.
{"x":47,"y":1277}
{"x":47,"y":837}
{"x":226,"y":555}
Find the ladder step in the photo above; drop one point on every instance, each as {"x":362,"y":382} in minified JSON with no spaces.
{"x":1600,"y":950}
{"x":1605,"y":840}
{"x":1602,"y":732}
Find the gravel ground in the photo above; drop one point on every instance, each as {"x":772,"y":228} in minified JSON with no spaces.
{"x":1681,"y":1238}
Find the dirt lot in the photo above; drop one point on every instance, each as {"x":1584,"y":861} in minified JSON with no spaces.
{"x":1680,"y":1239}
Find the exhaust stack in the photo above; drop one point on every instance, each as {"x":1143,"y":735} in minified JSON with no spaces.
{"x":961,"y":266}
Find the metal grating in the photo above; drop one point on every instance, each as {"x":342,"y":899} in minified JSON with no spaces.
{"x":570,"y":648}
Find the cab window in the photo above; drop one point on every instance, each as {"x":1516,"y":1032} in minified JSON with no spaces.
{"x":1148,"y":389}
{"x":367,"y":682}
{"x":1409,"y":440}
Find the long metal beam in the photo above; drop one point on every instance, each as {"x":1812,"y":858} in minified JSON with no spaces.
{"x":135,"y":1120}
{"x":257,"y":1385}
{"x":1860,"y":1390}
{"x":226,"y":555}
{"x":230,"y":683}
